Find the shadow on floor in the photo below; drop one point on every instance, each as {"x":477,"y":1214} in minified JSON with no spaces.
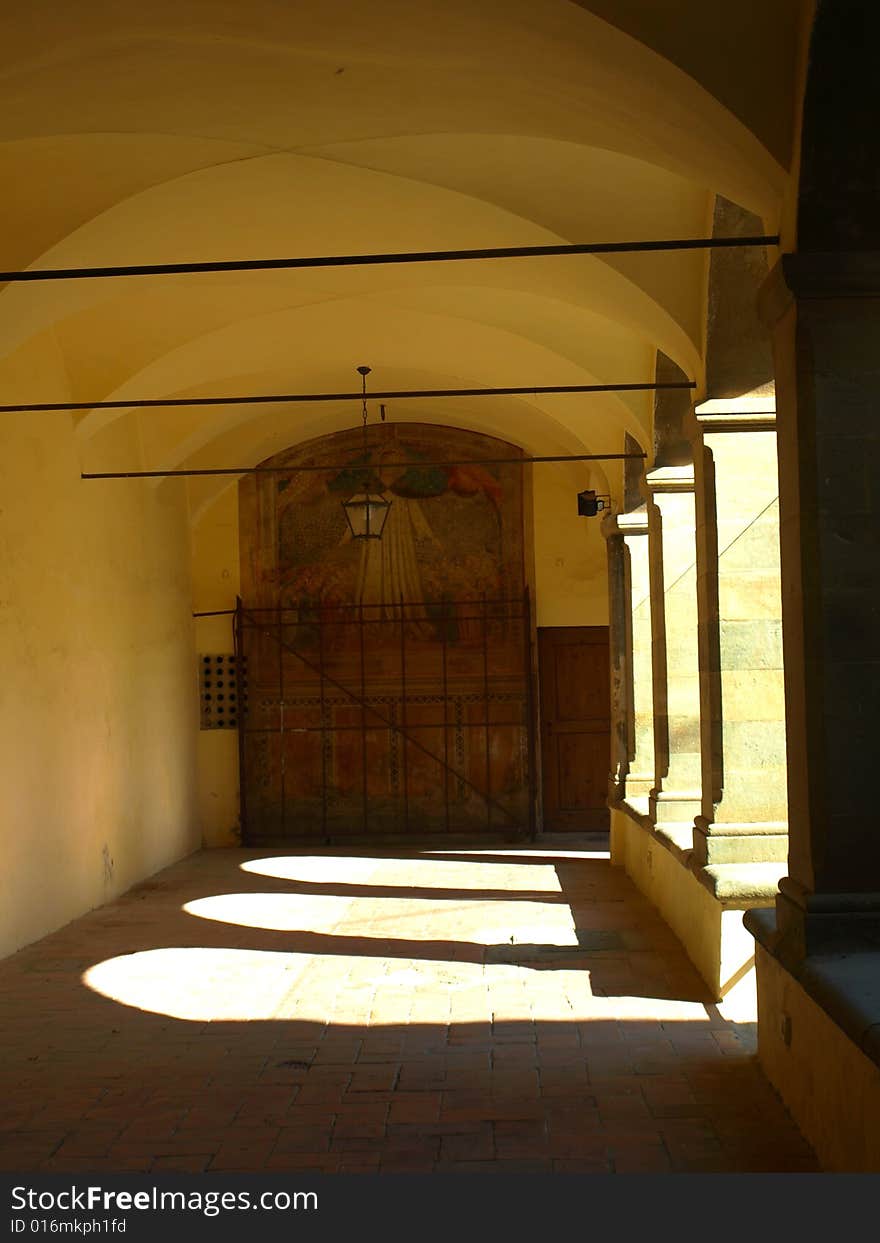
{"x":147,"y":1037}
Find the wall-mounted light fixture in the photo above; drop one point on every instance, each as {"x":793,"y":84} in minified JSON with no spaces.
{"x":366,"y":512}
{"x":590,"y":503}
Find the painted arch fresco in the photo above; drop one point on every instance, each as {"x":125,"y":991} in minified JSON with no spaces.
{"x":387,"y":678}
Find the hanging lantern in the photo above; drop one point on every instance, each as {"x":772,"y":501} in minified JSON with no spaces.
{"x":366,"y":512}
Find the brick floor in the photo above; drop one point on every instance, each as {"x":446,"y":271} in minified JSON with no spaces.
{"x":487,"y":1011}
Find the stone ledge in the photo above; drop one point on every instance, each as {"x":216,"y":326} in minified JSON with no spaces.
{"x":846,"y":985}
{"x":637,"y":810}
{"x":736,"y":886}
{"x":743,"y":885}
{"x":678,"y":840}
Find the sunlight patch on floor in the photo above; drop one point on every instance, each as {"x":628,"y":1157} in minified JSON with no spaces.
{"x":200,"y":983}
{"x":408,"y":940}
{"x":280,"y":912}
{"x":428,"y":873}
{"x":204,"y":984}
{"x":394,"y":919}
{"x":539,"y":851}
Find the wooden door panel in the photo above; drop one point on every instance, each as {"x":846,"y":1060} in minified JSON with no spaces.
{"x":581,"y":772}
{"x":580,"y":673}
{"x":575,"y":726}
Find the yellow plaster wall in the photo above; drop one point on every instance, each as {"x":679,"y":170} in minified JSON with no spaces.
{"x":571,"y":568}
{"x":97,"y":696}
{"x":215,"y":578}
{"x":830,"y":1087}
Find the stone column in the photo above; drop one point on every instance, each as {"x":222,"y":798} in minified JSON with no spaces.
{"x":639,"y":692}
{"x":676,"y":794}
{"x":743,"y":819}
{"x":826,"y":310}
{"x":619,"y":631}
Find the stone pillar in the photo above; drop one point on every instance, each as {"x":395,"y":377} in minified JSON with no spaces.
{"x":676,"y":793}
{"x":620,"y":632}
{"x":743,"y":819}
{"x":826,"y":311}
{"x":639,"y":692}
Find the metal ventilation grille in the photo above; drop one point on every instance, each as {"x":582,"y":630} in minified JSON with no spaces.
{"x":219,"y":691}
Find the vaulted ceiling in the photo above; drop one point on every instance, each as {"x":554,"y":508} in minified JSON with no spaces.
{"x":204,"y":129}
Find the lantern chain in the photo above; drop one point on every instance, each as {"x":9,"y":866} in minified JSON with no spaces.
{"x":364,"y":372}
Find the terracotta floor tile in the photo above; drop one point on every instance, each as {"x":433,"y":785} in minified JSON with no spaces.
{"x":425,"y":1110}
{"x":302,"y":1139}
{"x":181,"y":1165}
{"x":650,"y":1162}
{"x":445,"y":1034}
{"x":565,"y":1165}
{"x":477,"y":1147}
{"x":355,"y":1128}
{"x":252,"y":1155}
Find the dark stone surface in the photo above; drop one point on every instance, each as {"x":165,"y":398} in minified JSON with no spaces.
{"x":672,"y":446}
{"x":633,"y":474}
{"x":829,"y":358}
{"x":840,"y":159}
{"x":739,"y":355}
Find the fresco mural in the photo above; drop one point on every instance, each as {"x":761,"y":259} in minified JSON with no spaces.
{"x":388,"y":688}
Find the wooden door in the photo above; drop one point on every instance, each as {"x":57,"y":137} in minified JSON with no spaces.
{"x":575,"y":726}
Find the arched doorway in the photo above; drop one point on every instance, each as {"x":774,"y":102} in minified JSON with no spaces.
{"x":389,"y":681}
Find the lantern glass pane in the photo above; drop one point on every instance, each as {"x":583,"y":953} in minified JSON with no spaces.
{"x":377,"y":512}
{"x":366,"y":514}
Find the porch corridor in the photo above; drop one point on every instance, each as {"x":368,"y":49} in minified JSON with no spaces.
{"x":353,"y":1010}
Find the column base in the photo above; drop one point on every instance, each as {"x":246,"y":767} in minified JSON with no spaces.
{"x":674,"y":806}
{"x":637,"y":789}
{"x":824,"y":923}
{"x":740,"y":842}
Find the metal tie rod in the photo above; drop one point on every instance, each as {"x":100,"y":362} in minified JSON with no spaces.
{"x":389,"y":395}
{"x":415,"y":256}
{"x":354,"y":467}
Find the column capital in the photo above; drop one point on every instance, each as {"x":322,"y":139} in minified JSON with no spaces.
{"x":610,"y":527}
{"x":670,"y":479}
{"x":808,"y":275}
{"x":633,"y":523}
{"x":737,"y":414}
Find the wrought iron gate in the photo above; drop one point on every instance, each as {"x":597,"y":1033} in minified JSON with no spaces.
{"x":386,"y":719}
